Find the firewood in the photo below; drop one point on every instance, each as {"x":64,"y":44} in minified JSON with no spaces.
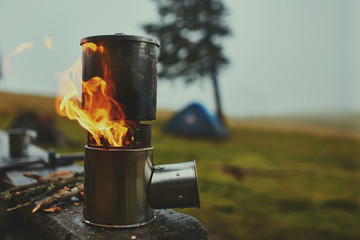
{"x":30,"y":202}
{"x":60,"y":174}
{"x":8,"y":182}
{"x":52,"y":209}
{"x":34,"y":176}
{"x":36,"y":188}
{"x":56,"y":198}
{"x":46,"y":186}
{"x":18,"y":189}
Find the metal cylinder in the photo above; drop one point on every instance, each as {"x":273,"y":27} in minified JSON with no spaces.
{"x":19,"y":140}
{"x":129,"y":63}
{"x":115,"y":186}
{"x":174,"y":186}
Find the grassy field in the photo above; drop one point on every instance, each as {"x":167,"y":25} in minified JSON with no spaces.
{"x":271,"y":180}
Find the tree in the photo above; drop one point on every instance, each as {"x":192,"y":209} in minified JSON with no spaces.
{"x":189,"y":32}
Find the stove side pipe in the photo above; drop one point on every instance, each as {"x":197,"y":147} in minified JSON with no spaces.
{"x":174,"y":186}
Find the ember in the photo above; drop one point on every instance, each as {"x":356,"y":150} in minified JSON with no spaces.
{"x":52,"y":209}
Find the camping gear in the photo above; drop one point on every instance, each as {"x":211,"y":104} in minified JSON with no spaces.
{"x":195,"y":121}
{"x":119,"y":171}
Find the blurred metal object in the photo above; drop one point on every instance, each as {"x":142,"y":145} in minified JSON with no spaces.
{"x":56,"y":159}
{"x":174,"y":186}
{"x":115,"y":186}
{"x":7,"y":163}
{"x":30,"y":155}
{"x":19,"y":140}
{"x":52,"y":160}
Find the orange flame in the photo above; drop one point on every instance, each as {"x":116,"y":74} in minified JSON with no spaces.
{"x":98,"y":110}
{"x":22,"y":47}
{"x":48,"y":43}
{"x":89,"y":45}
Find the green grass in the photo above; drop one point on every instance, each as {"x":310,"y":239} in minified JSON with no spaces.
{"x":261,"y":183}
{"x":270,"y":185}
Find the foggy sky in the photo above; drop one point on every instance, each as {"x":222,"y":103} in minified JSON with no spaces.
{"x":286,"y":56}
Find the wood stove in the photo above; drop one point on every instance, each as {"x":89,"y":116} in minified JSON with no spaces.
{"x":122,"y":184}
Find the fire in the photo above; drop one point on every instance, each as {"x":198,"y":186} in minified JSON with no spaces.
{"x":48,"y":43}
{"x":100,"y":114}
{"x":22,"y":47}
{"x":89,"y":45}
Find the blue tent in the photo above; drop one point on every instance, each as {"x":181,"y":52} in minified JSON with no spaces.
{"x":194,"y":120}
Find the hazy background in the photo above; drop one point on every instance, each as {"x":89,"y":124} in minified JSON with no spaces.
{"x":286,"y":56}
{"x":287,"y":179}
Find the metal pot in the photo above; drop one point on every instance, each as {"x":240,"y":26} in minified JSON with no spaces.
{"x":129,"y":63}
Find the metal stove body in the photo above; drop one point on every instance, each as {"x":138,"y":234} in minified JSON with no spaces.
{"x":122,"y":185}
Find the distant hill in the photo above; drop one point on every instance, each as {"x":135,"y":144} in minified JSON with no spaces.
{"x":344,"y":125}
{"x":349,"y":125}
{"x":11,"y":103}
